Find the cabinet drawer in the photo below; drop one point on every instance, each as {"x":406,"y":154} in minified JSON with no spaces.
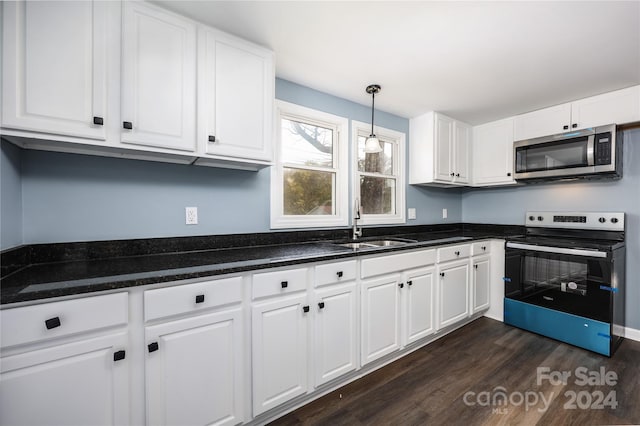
{"x":181,"y":299}
{"x":481,"y":247}
{"x":35,"y":323}
{"x":453,"y":252}
{"x":279,"y":282}
{"x":335,"y":273}
{"x":397,"y":262}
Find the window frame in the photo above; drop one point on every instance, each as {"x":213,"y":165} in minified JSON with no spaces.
{"x":341,"y":167}
{"x":398,"y":140}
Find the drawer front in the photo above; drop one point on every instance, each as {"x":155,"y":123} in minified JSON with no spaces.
{"x":279,"y":282}
{"x":181,"y":299}
{"x":481,"y":247}
{"x":30,"y":324}
{"x":335,"y":273}
{"x":397,"y":262}
{"x":454,"y":252}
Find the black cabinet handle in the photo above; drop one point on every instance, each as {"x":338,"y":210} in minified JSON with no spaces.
{"x":457,"y":253}
{"x":484,"y":248}
{"x":574,"y":125}
{"x":212,"y":138}
{"x":457,"y":174}
{"x":401,"y":285}
{"x":284,"y":284}
{"x":321,"y":305}
{"x":118,"y":356}
{"x":305,"y":309}
{"x":200,"y":298}
{"x":409,"y":283}
{"x":508,"y":174}
{"x":442,"y":274}
{"x":565,"y":127}
{"x":127,"y":125}
{"x":452,"y":174}
{"x":475,"y":266}
{"x":152,"y":347}
{"x":339,"y":273}
{"x":52,"y":323}
{"x":98,"y":121}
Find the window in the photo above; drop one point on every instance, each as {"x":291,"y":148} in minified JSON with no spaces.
{"x":309,"y":183}
{"x":379,"y":177}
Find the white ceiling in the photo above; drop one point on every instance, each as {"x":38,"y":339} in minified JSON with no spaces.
{"x":476,"y":61}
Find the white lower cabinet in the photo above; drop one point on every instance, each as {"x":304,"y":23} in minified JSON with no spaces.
{"x":335,"y":343}
{"x":194,"y":370}
{"x":380,"y":326}
{"x":480,"y":280}
{"x":453,"y":292}
{"x":419,"y":296}
{"x":280,"y":350}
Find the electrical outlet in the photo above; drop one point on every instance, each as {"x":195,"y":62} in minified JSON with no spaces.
{"x":191,"y":214}
{"x":411,"y":213}
{"x":444,"y":213}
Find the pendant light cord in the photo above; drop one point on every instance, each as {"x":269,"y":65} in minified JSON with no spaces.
{"x":373,"y":106}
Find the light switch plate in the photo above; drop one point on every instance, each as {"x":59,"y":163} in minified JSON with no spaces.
{"x":411,"y":213}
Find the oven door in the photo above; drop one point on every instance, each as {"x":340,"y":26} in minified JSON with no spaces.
{"x":569,"y":280}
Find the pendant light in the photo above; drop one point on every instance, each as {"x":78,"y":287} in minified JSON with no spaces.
{"x":372,"y":144}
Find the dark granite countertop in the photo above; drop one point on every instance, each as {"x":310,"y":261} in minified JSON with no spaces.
{"x":44,"y":271}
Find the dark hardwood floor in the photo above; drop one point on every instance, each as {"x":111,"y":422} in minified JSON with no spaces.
{"x":461,"y":378}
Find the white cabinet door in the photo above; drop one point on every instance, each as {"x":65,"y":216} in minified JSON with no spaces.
{"x":335,"y":332}
{"x":444,"y":140}
{"x":462,"y":137}
{"x":235,"y":97}
{"x":453,"y":292}
{"x":420,"y":287}
{"x":279,"y":338}
{"x":158,"y":94}
{"x":380,"y":317}
{"x":481,"y":273}
{"x":54,"y":67}
{"x":194,"y":370}
{"x":80,"y":383}
{"x":621,"y":106}
{"x":544,"y":122}
{"x":493,"y":153}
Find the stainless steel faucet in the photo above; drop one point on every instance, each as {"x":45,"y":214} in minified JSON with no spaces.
{"x":357,"y":232}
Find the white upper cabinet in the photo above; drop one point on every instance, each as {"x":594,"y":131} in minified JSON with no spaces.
{"x":54,"y":67}
{"x":235,"y":97}
{"x":492,"y":151}
{"x":158,"y":93}
{"x":439,"y":150}
{"x":619,"y":107}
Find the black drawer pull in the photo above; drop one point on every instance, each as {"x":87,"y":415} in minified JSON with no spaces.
{"x":452,"y":174}
{"x":200,"y":298}
{"x":284,"y":284}
{"x":457,"y":253}
{"x":409,"y":283}
{"x":321,"y":305}
{"x":484,"y":247}
{"x":305,"y":309}
{"x":118,"y":356}
{"x":442,"y":274}
{"x":52,"y":323}
{"x":127,"y":125}
{"x":98,"y":121}
{"x":508,"y":174}
{"x":475,"y":266}
{"x":457,"y":174}
{"x":565,"y":127}
{"x":339,"y":273}
{"x":212,"y":138}
{"x":152,"y":347}
{"x":401,"y":285}
{"x":574,"y":125}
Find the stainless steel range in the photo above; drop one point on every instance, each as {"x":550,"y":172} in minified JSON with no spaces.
{"x":565,"y":278}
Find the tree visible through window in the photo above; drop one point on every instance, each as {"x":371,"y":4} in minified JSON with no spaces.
{"x":377,"y":179}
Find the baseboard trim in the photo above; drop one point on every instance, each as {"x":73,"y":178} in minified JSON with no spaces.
{"x":632,"y":333}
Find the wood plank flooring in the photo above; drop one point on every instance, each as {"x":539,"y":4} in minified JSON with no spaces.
{"x":458,"y":380}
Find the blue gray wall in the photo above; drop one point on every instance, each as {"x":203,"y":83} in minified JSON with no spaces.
{"x":508,"y":206}
{"x":54,"y":197}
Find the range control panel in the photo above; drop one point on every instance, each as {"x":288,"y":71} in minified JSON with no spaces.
{"x":608,"y":221}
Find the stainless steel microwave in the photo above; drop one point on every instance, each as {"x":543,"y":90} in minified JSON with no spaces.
{"x":589,"y":153}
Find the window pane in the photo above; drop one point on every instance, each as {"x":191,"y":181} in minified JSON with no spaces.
{"x":308,"y":192}
{"x":306,"y":144}
{"x":377,"y":195}
{"x":380,"y":162}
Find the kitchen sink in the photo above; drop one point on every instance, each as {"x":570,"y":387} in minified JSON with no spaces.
{"x":387,"y":242}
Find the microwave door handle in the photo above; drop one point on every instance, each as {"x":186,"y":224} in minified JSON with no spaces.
{"x":590,"y":154}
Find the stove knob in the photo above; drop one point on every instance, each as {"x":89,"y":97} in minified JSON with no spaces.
{"x":540,"y":218}
{"x":602,"y":220}
{"x":532,"y":218}
{"x":614,"y":220}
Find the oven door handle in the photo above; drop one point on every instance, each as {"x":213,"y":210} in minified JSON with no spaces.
{"x":558,"y":250}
